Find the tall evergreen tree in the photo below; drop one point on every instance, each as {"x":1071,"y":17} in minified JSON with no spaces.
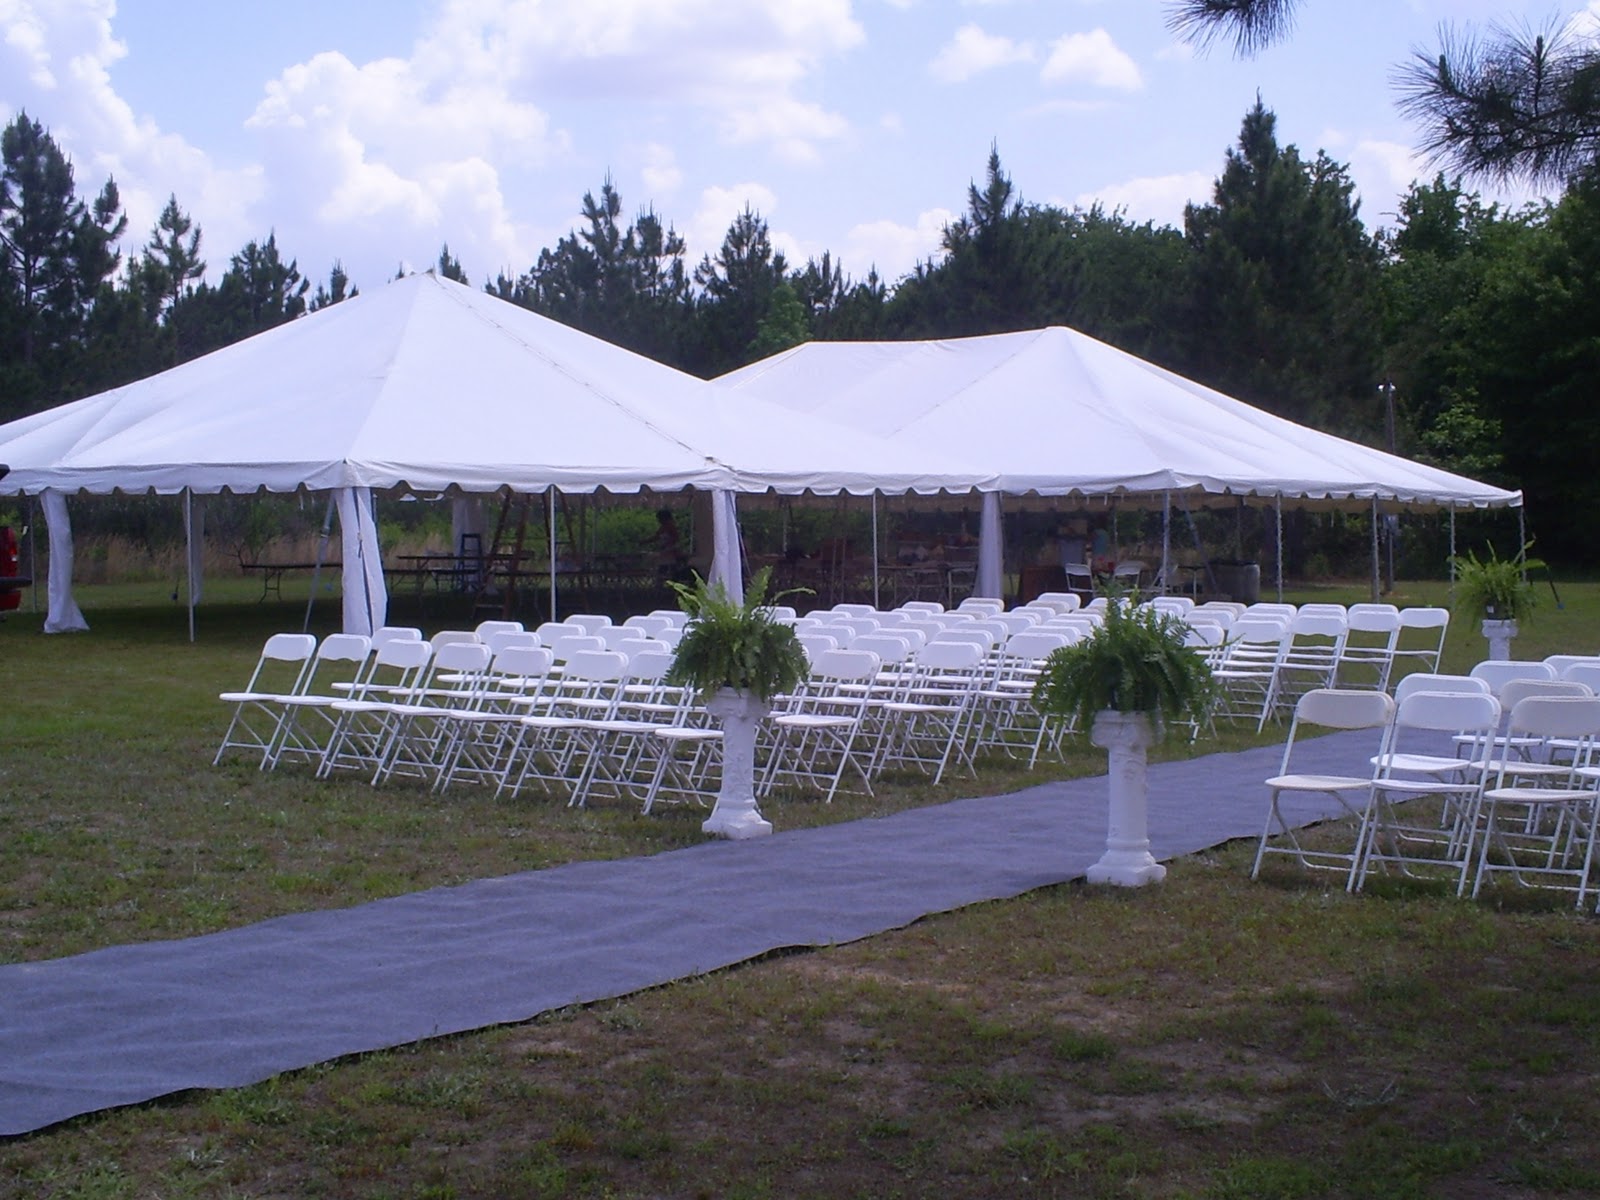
{"x":736,"y":291}
{"x":338,"y":288}
{"x":449,"y":267}
{"x":1282,"y":284}
{"x":171,"y":262}
{"x":41,"y":220}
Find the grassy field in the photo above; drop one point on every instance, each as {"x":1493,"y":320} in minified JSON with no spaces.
{"x":1210,"y":1037}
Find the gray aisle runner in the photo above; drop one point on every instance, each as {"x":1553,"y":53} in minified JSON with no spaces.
{"x":130,"y":1023}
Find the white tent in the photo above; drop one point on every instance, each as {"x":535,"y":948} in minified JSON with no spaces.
{"x":430,"y":385}
{"x":1055,"y":412}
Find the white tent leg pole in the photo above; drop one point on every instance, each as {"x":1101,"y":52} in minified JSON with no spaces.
{"x":727,"y":566}
{"x":877,"y":553}
{"x":322,"y":557}
{"x":63,"y":614}
{"x":550,"y":524}
{"x":991,"y":556}
{"x":188,"y":552}
{"x":1166,"y":544}
{"x":1452,"y":552}
{"x":32,"y":518}
{"x":1278,"y":504}
{"x":1375,"y":567}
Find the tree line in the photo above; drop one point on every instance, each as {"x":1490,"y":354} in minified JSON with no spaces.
{"x":1464,"y":334}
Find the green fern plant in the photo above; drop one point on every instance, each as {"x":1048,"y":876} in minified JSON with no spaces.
{"x":1496,"y":587}
{"x":729,"y":644}
{"x":1135,"y":662}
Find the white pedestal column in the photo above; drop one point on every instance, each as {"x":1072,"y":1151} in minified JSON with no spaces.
{"x":1499,"y":635}
{"x":735,"y":815}
{"x":1127,"y":861}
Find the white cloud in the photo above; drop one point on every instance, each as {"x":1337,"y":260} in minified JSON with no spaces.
{"x":1158,"y":198}
{"x":56,"y":59}
{"x":1091,"y":58}
{"x":972,"y":51}
{"x":716,"y":212}
{"x":892,"y":248}
{"x":660,"y":171}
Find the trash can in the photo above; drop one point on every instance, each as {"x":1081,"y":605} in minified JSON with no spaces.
{"x":1237,"y":579}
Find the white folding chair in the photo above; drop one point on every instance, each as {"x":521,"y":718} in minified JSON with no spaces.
{"x":813,"y":741}
{"x":364,"y":720}
{"x":1322,"y":708}
{"x":1247,"y":673}
{"x":1422,"y":633}
{"x":927,"y":727}
{"x":550,"y":738}
{"x":1006,"y":718}
{"x":1311,"y":653}
{"x":481,"y":738}
{"x":1372,"y":632}
{"x":282,"y":669}
{"x":1497,"y":672}
{"x":340,"y":665}
{"x":1392,"y":834}
{"x":1539,"y":824}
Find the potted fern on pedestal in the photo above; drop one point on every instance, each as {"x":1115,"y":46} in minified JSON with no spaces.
{"x":738,"y":658}
{"x":1497,"y":590}
{"x":1123,"y":682}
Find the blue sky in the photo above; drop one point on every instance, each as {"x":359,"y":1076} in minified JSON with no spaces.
{"x":375,"y":130}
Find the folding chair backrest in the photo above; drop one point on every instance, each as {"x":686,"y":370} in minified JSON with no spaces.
{"x":1587,"y":673}
{"x":1034,"y":645}
{"x":846,"y":666}
{"x":1340,"y":708}
{"x":530,"y":663}
{"x":1514,"y":691}
{"x":486,"y":629}
{"x":394,"y":633}
{"x":448,"y":637}
{"x":1562,"y":661}
{"x":892,"y":647}
{"x":1424,"y":681}
{"x":285,"y":663}
{"x":1059,"y":601}
{"x":982,"y":605}
{"x":1449,"y":712}
{"x":1556,"y":717}
{"x":1497,"y":672}
{"x":1377,"y":619}
{"x":565,"y":645}
{"x":651,"y":624}
{"x":590,"y":622}
{"x":954,"y":655}
{"x":926,"y":606}
{"x":1332,"y":625}
{"x":816,"y":644}
{"x":501,"y":639}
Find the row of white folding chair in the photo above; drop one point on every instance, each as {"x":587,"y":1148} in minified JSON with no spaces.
{"x":1528,"y":811}
{"x":285,"y":708}
{"x":813,"y":739}
{"x":1005,"y":718}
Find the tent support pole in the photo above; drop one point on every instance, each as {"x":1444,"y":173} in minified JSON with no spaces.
{"x":1452,"y":552}
{"x":32,"y":518}
{"x":1278,"y":505}
{"x":188,"y":552}
{"x":877,"y":554}
{"x":1376,"y":568}
{"x":550,"y":524}
{"x":1166,"y":544}
{"x":322,"y":556}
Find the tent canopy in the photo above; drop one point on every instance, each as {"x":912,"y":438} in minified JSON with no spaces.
{"x":1056,"y":412}
{"x":431,"y":385}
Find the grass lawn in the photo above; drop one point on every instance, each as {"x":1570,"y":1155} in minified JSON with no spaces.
{"x":1210,"y":1037}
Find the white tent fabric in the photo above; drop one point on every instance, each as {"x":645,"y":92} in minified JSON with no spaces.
{"x":432,"y":385}
{"x":365,"y":604}
{"x":727,"y":562}
{"x":1056,"y":412}
{"x":991,"y":567}
{"x":62,"y":614}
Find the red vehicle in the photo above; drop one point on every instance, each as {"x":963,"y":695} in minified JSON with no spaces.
{"x":10,"y":597}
